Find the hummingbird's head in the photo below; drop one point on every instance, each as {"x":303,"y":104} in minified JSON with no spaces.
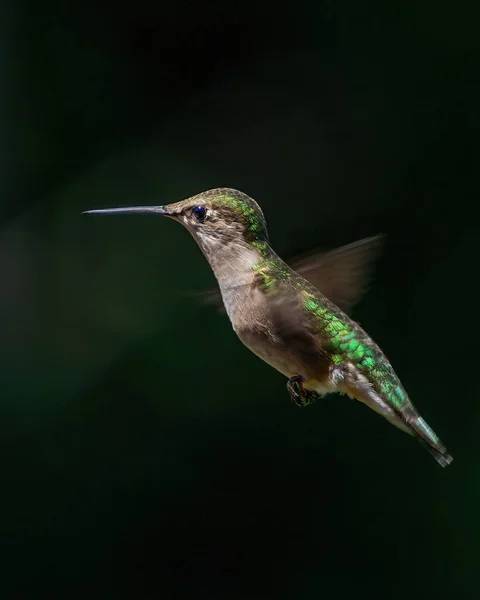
{"x":218,"y":219}
{"x":221,"y":216}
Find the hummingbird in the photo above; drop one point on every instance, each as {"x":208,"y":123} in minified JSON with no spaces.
{"x":295,"y":319}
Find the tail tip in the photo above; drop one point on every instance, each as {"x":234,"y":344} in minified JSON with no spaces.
{"x":444,"y":459}
{"x":439,"y":453}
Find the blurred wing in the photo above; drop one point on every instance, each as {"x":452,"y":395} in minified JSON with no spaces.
{"x":211,"y":297}
{"x":342,"y":275}
{"x":295,"y":331}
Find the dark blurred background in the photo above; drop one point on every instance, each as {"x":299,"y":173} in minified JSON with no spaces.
{"x":145,"y":452}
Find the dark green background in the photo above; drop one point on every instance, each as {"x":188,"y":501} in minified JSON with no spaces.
{"x":145,"y":452}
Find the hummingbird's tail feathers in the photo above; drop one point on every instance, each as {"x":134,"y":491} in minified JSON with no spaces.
{"x":441,"y":456}
{"x":428,"y":438}
{"x":405,"y":418}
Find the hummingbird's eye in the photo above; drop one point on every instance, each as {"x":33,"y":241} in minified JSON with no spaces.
{"x":199,"y":212}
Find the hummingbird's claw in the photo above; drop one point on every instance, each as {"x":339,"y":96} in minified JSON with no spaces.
{"x":298,"y":394}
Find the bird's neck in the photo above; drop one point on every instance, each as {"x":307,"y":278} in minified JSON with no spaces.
{"x":235,"y":264}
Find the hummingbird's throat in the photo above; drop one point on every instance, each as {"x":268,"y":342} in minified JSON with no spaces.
{"x":232,"y":263}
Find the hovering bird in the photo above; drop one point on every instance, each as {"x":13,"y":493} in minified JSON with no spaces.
{"x":295,"y":320}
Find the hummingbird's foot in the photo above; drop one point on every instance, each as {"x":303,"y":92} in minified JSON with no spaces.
{"x":298,"y":394}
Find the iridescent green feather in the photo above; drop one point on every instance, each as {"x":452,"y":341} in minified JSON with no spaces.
{"x":350,"y":344}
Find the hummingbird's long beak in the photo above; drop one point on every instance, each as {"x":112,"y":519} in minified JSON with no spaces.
{"x":139,"y":210}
